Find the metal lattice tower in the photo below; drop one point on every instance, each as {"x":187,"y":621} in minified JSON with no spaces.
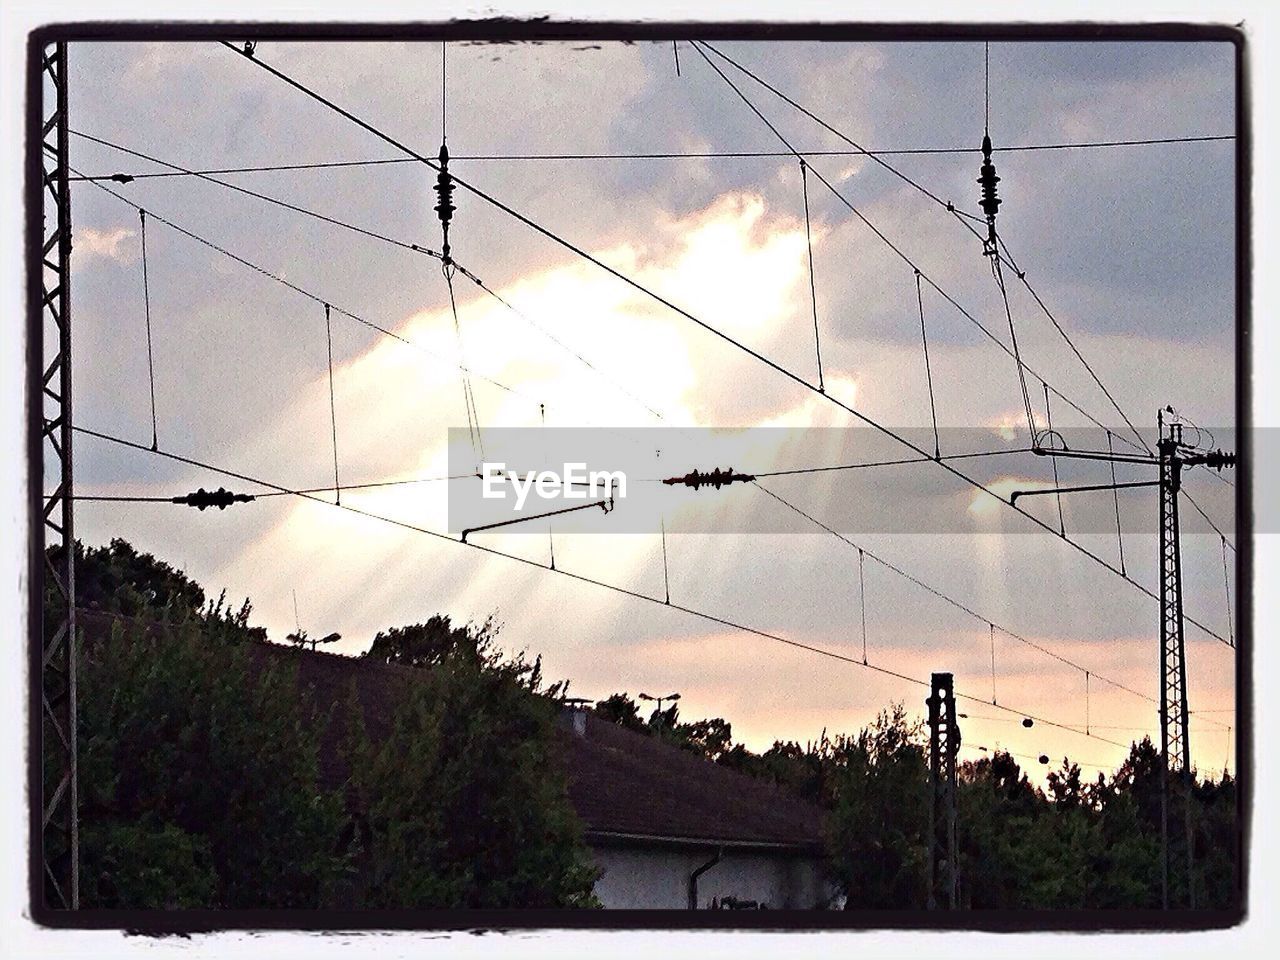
{"x":1175,"y":740}
{"x":55,"y":735}
{"x":944,"y":745}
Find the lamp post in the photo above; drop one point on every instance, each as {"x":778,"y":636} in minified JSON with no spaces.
{"x":670,"y":697}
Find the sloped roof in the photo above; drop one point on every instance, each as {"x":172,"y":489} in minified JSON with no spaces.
{"x":629,"y":785}
{"x":625,"y":786}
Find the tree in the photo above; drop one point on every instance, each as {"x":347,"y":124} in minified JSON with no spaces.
{"x":118,"y":579}
{"x":620,"y":709}
{"x":879,"y":813}
{"x":436,"y":641}
{"x":709,"y":738}
{"x":199,"y":779}
{"x":300,"y":639}
{"x":468,"y":803}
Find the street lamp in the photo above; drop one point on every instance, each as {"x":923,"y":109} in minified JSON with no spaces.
{"x":660,"y":700}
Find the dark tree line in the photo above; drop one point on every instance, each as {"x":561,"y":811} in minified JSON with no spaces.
{"x":200,"y":766}
{"x":1077,"y":844}
{"x":201,"y":785}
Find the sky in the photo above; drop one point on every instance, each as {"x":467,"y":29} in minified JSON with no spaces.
{"x":1131,"y":248}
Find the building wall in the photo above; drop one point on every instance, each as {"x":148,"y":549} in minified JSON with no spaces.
{"x":637,"y":877}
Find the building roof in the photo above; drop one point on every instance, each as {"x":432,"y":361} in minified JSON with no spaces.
{"x":630,"y":786}
{"x":626,"y":787}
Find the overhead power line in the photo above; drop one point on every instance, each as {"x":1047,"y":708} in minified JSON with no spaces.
{"x":901,"y":461}
{"x":581,"y":578}
{"x":122,"y":177}
{"x":316,"y":298}
{"x":635,"y":284}
{"x":993,"y":247}
{"x":987,"y":621}
{"x":948,"y":205}
{"x":919,"y":274}
{"x":475,"y":279}
{"x":375,"y":235}
{"x":267,"y":198}
{"x":262,"y":495}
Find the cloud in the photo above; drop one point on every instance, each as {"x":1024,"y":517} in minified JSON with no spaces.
{"x":115,"y":244}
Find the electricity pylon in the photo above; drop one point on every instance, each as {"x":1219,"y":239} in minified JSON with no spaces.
{"x":1172,"y":457}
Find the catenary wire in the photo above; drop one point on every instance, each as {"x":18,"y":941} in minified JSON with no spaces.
{"x":945,"y":597}
{"x":579,"y":251}
{"x":582,"y":578}
{"x":1012,"y":352}
{"x":428,"y":252}
{"x":946,"y":204}
{"x":299,"y":290}
{"x":376,"y":235}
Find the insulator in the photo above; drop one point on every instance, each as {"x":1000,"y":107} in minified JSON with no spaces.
{"x":716,"y":478}
{"x":444,"y":206}
{"x":987,"y":179}
{"x":220,"y":498}
{"x":1219,"y":459}
{"x":444,"y":188}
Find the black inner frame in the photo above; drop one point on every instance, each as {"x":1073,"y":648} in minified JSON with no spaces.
{"x":505,"y":30}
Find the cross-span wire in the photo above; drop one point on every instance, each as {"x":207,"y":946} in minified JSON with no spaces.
{"x":124,"y":177}
{"x":261,"y":495}
{"x":888,"y":565}
{"x":582,"y":578}
{"x":428,"y":252}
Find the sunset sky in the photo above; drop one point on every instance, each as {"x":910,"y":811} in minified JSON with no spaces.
{"x":1131,"y":248}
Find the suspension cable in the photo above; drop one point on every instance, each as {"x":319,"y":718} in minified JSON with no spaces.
{"x":662,"y":528}
{"x":1226,"y":582}
{"x":1017,"y":356}
{"x":928,"y":371}
{"x":1048,"y":413}
{"x":992,"y":631}
{"x":862,"y":597}
{"x":960,"y":215}
{"x":1115,"y":494}
{"x":551,"y":536}
{"x":888,"y":565}
{"x":314,"y":297}
{"x":146,"y":304}
{"x":333,"y":409}
{"x":813,"y":292}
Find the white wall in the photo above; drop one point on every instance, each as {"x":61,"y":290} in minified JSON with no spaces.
{"x":658,"y":878}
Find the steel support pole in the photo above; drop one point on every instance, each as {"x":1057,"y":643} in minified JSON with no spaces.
{"x":944,"y":745}
{"x":56,"y":730}
{"x":1174,"y":714}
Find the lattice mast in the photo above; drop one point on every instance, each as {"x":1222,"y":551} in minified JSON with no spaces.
{"x":944,"y":745}
{"x":54,"y":735}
